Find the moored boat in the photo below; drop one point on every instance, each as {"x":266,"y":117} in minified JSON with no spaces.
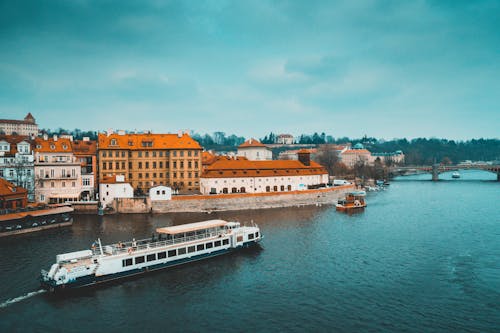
{"x":353,"y":200}
{"x":173,"y":246}
{"x":32,"y":219}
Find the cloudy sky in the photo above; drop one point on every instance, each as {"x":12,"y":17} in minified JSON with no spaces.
{"x":348,"y":68}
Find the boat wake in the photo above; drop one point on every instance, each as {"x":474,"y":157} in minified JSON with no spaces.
{"x":21,"y":298}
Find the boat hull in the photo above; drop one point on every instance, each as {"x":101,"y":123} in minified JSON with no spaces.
{"x":92,"y":280}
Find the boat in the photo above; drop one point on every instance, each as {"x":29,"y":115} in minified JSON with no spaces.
{"x":171,"y":246}
{"x":30,"y":219}
{"x":455,"y":175}
{"x":353,"y":201}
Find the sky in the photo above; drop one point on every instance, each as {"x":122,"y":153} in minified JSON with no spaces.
{"x":387,"y":69}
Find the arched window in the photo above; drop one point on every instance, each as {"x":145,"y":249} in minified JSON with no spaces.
{"x":234,"y":190}
{"x":268,"y":188}
{"x":275,"y":188}
{"x":242,"y":190}
{"x":289,"y":187}
{"x":224,"y":190}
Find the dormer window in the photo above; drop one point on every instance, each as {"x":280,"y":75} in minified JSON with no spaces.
{"x":52,"y":147}
{"x":113,"y":142}
{"x":65,"y":147}
{"x":38,"y":146}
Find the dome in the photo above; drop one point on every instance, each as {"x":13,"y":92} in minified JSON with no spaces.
{"x":358,"y":146}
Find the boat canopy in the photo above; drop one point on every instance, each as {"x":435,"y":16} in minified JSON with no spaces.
{"x":179,"y":229}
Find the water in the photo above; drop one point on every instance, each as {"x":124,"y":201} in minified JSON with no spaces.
{"x":423,"y":257}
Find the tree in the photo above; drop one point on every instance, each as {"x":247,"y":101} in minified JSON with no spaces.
{"x":327,"y":156}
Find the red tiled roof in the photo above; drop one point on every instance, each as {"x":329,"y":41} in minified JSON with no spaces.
{"x":357,"y":151}
{"x":13,"y":140}
{"x":207,"y":158}
{"x":81,"y":147}
{"x":252,"y":143}
{"x":226,"y":167}
{"x":9,"y":189}
{"x":61,"y":145}
{"x":110,"y":180}
{"x":147,"y":141}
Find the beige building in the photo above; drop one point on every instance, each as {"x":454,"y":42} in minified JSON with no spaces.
{"x":148,"y":160}
{"x":25,"y":127}
{"x":254,"y":150}
{"x":240,"y":175}
{"x":58,"y":175}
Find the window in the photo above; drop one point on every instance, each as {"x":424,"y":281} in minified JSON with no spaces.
{"x":196,"y":164}
{"x":234,"y":190}
{"x":123,"y":153}
{"x":117,"y":165}
{"x":140,"y":165}
{"x":189,"y":152}
{"x":224,"y":190}
{"x":146,"y":154}
{"x":225,"y":241}
{"x":127,"y":262}
{"x":51,"y":184}
{"x":147,"y":165}
{"x":181,"y":153}
{"x":191,"y":249}
{"x":161,"y":165}
{"x":172,"y":253}
{"x":162,"y":255}
{"x":242,"y":190}
{"x":104,"y":165}
{"x":250,"y":236}
{"x":110,"y":165}
{"x":123,"y":165}
{"x":268,"y":188}
{"x":154,"y":165}
{"x":181,"y":251}
{"x":161,"y":154}
{"x":104,"y":153}
{"x":200,"y":247}
{"x":152,"y":257}
{"x":209,"y":245}
{"x":154,"y":154}
{"x":289,"y":187}
{"x":275,"y":188}
{"x":139,"y":260}
{"x":113,"y":142}
{"x":217,"y":243}
{"x":257,"y":234}
{"x":139,"y":154}
{"x":175,"y":165}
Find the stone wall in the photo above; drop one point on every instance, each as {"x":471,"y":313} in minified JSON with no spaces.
{"x":210,"y":203}
{"x":85,"y":207}
{"x":132,"y":205}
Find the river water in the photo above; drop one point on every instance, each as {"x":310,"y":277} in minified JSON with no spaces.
{"x":423,"y":257}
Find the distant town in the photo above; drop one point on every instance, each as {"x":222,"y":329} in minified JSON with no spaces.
{"x":50,"y":167}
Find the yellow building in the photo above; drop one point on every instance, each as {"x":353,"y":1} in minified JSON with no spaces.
{"x":148,"y":160}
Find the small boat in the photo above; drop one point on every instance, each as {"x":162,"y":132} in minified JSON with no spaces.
{"x":455,"y":175}
{"x":353,"y":200}
{"x":171,"y":247}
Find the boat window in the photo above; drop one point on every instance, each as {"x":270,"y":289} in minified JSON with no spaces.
{"x":151,"y":257}
{"x":139,"y":260}
{"x":162,"y":255}
{"x":217,"y":243}
{"x":209,"y":245}
{"x":225,"y":241}
{"x":239,"y":239}
{"x":127,"y":262}
{"x":181,"y":251}
{"x":172,"y":253}
{"x":257,"y":234}
{"x":200,"y":247}
{"x":250,"y":236}
{"x":191,"y":249}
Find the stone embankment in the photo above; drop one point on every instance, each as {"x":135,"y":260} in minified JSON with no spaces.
{"x":241,"y":201}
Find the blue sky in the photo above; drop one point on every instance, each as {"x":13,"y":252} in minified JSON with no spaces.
{"x":383,"y":68}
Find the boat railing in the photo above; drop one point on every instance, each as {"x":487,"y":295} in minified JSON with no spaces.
{"x":145,"y":244}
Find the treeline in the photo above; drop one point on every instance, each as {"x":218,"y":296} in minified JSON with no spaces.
{"x":425,"y":151}
{"x":77,"y":133}
{"x":219,"y":141}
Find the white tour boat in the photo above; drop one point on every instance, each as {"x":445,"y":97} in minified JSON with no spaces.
{"x":174,"y":246}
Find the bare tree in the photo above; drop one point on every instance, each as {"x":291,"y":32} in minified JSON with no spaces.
{"x":327,"y":156}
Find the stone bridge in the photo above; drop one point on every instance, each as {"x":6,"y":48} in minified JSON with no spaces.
{"x":436,"y":169}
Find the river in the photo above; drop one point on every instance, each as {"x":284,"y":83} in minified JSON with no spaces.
{"x":423,"y":257}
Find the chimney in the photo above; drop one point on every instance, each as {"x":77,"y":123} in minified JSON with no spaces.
{"x":250,"y":141}
{"x":86,"y":138}
{"x":179,"y":134}
{"x":304,"y":157}
{"x":45,"y":136}
{"x":55,"y":137}
{"x":109,"y":132}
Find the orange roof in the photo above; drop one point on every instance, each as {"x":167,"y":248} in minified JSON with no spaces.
{"x":226,"y":167}
{"x":304,"y":151}
{"x":9,"y":189}
{"x":81,"y":147}
{"x":61,"y":145}
{"x":357,"y":151}
{"x":207,"y":158}
{"x":13,"y":140}
{"x":252,"y":143}
{"x":146,"y":141}
{"x":110,"y":180}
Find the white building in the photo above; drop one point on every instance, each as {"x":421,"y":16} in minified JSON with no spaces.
{"x":241,"y":175}
{"x":160,"y":193}
{"x":254,"y":150}
{"x":26,"y":127}
{"x":58,"y":176}
{"x":112,"y":187}
{"x":284,"y":139}
{"x":17,"y":162}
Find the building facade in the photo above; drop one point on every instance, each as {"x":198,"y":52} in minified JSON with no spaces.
{"x":12,"y":196}
{"x":254,"y":150}
{"x":25,"y":127}
{"x":240,"y":175}
{"x":284,"y":139}
{"x":148,"y":160}
{"x":17,"y":162}
{"x":111,"y":187}
{"x":86,"y":154}
{"x":58,"y":176}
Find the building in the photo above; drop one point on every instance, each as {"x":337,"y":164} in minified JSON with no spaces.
{"x":111,"y":187}
{"x":387,"y":158}
{"x":58,"y":175}
{"x":241,"y":175}
{"x":293,"y":154}
{"x":148,"y":160}
{"x":12,"y":196}
{"x":254,"y":150}
{"x":86,"y":153}
{"x":159,"y":193}
{"x":17,"y":162}
{"x":358,"y":154}
{"x":25,"y":127}
{"x":284,"y":139}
